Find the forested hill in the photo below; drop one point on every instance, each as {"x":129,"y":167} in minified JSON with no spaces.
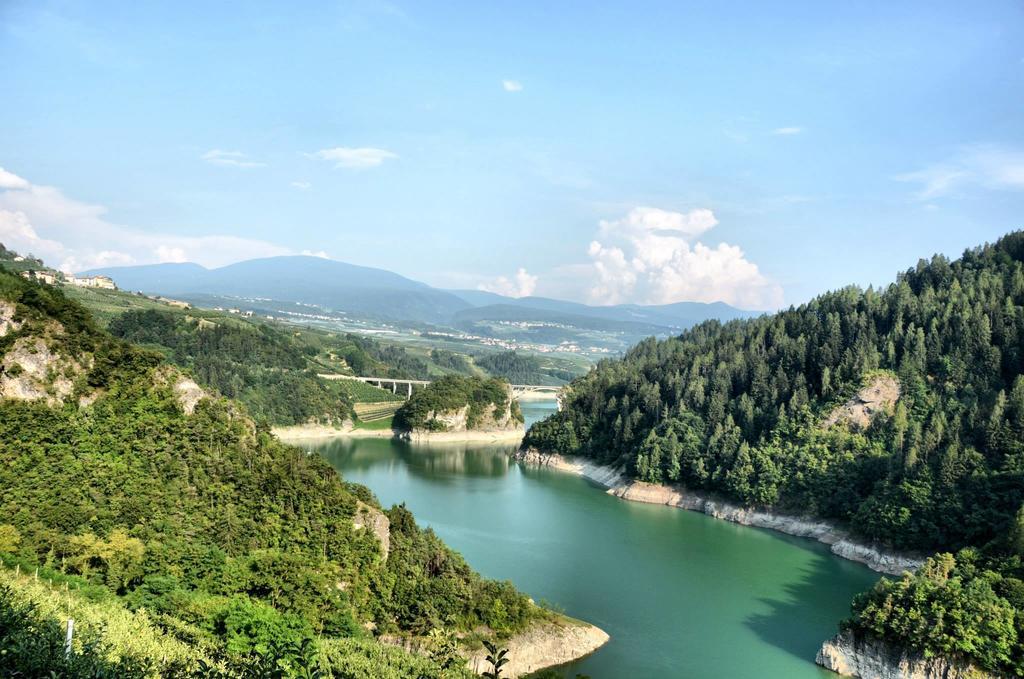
{"x":123,"y":478}
{"x":739,"y":408}
{"x":752,"y":410}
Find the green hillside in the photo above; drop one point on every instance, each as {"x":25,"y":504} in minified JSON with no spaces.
{"x":118,"y":471}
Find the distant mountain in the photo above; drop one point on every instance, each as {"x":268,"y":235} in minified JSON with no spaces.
{"x":376,"y":292}
{"x":312,"y":280}
{"x":679,"y":315}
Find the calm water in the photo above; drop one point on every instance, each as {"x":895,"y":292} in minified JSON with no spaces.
{"x":680,"y":593}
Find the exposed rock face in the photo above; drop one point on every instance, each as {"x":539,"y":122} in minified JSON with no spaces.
{"x":7,"y":322}
{"x":874,"y":659}
{"x":189,"y":394}
{"x":378,"y":522}
{"x":877,"y":396}
{"x":33,"y":371}
{"x":619,"y":485}
{"x":496,"y":424}
{"x":494,"y":419}
{"x":544,"y":645}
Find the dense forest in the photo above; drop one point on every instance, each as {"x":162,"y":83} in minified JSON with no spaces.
{"x":449,"y":360}
{"x":261,"y":366}
{"x":522,"y":369}
{"x":233,"y":543}
{"x":484,"y":398}
{"x":741,"y":409}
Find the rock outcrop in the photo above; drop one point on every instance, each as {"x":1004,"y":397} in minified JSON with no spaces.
{"x":495,"y":424}
{"x":189,"y":394}
{"x":7,"y":322}
{"x":877,"y":396}
{"x":377,"y":522}
{"x":617,"y":484}
{"x":493,"y":419}
{"x":867,"y":658}
{"x":32,"y":368}
{"x":544,"y":644}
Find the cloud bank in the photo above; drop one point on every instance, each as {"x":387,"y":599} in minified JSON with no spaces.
{"x":652,"y":256}
{"x":522,"y":284}
{"x":67,"y":233}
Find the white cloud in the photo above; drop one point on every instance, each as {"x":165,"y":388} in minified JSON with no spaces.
{"x":522,"y":284}
{"x":651,"y":256}
{"x":986,"y":167}
{"x":301,"y":186}
{"x":170,"y":253}
{"x":15,"y":228}
{"x":74,"y":236}
{"x":319,"y":253}
{"x":787,"y":131}
{"x":512,"y":85}
{"x":354,"y":158}
{"x":9,"y":180}
{"x":230,"y":159}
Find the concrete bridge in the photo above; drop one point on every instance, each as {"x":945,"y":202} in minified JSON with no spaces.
{"x":395,"y":384}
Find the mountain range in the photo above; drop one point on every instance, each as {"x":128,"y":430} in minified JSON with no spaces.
{"x":339,"y":286}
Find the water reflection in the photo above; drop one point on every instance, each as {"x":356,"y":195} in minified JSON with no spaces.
{"x":435,"y":461}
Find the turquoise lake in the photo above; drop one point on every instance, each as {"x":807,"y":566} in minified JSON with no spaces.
{"x":680,"y":593}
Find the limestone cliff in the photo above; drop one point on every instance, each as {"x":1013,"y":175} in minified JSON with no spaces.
{"x":868,"y":658}
{"x":493,"y":418}
{"x":34,"y":367}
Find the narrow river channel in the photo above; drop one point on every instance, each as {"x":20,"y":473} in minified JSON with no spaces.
{"x":680,"y":593}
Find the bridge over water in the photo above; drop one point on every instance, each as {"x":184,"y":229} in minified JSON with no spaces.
{"x":518,"y":390}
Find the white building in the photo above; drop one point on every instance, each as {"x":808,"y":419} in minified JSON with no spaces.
{"x":39,"y":276}
{"x":103,"y":282}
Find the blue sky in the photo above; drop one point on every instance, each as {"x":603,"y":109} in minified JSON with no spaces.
{"x":757,"y":153}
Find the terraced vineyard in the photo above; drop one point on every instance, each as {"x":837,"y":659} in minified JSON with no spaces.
{"x":361,"y":392}
{"x":369,"y":412}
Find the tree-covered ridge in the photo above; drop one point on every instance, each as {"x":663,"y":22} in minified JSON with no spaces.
{"x":263,"y":367}
{"x":737,"y":408}
{"x":522,"y":368}
{"x":224,"y":535}
{"x":488,"y":402}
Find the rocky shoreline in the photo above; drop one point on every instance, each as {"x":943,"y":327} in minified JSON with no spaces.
{"x":867,"y":658}
{"x":619,"y":485}
{"x":545,"y":644}
{"x":551,"y":641}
